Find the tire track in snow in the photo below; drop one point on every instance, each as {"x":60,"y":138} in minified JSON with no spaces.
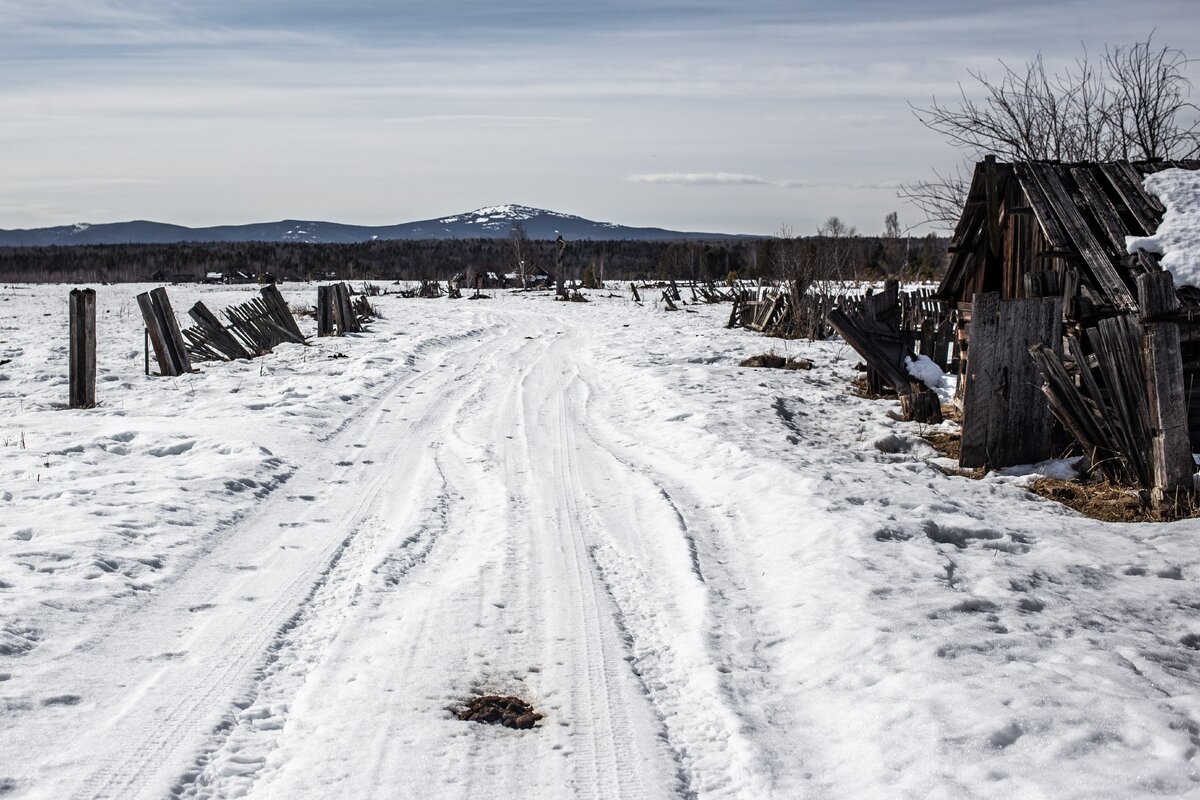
{"x":164,"y":714}
{"x":737,"y":647}
{"x":380,"y":554}
{"x":509,"y":602}
{"x":661,"y":616}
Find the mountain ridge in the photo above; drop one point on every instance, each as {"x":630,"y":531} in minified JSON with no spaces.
{"x":491,"y":222}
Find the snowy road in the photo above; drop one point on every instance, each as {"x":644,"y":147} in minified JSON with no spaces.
{"x":714,"y":583}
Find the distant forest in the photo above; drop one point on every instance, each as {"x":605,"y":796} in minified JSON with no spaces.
{"x":856,"y":257}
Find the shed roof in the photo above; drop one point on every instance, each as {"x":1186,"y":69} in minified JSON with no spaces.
{"x":1085,"y":210}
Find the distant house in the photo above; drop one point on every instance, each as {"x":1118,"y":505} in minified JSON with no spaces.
{"x":1037,"y":229}
{"x":162,"y":276}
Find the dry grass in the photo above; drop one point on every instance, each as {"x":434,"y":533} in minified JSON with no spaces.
{"x":948,"y":443}
{"x":1099,"y":500}
{"x":1110,"y":503}
{"x":1096,"y":499}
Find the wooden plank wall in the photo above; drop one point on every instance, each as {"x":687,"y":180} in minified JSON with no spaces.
{"x":1006,"y":418}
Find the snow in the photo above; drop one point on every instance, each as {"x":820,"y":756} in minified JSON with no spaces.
{"x":924,"y":370}
{"x":930,"y":374}
{"x":496,"y":216}
{"x":271,"y":578}
{"x":1178,"y":236}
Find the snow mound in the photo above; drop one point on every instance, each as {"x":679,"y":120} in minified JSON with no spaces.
{"x":1178,"y":237}
{"x":924,"y":370}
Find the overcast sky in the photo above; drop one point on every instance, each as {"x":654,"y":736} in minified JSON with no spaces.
{"x":693,"y":114}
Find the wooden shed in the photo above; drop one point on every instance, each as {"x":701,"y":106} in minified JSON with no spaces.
{"x":1053,"y":234}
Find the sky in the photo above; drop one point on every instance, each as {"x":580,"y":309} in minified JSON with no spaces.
{"x":739,"y":117}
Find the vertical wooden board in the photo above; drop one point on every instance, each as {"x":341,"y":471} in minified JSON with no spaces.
{"x":345,"y":310}
{"x":981,"y":380}
{"x":172,"y":338}
{"x":1021,"y":433}
{"x":1171,"y":453}
{"x":154,"y":329}
{"x":1006,"y":417}
{"x":326,"y":317}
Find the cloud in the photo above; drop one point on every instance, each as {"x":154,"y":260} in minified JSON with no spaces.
{"x":702,"y":179}
{"x":718,"y":179}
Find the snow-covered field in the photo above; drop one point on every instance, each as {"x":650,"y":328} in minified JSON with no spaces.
{"x":273,"y":578}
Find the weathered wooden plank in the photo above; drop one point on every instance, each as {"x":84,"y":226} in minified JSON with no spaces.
{"x":281,"y":313}
{"x":1006,"y":420}
{"x":1117,"y":344}
{"x":1074,"y":411}
{"x":1094,"y":254}
{"x":82,"y":348}
{"x":157,"y":336}
{"x":982,"y":379}
{"x":879,"y":348}
{"x":172,"y":339}
{"x":1171,"y":452}
{"x":1128,"y":185}
{"x":1103,"y":209}
{"x":325,"y":323}
{"x":347,"y":320}
{"x":1056,"y":237}
{"x":215,"y":335}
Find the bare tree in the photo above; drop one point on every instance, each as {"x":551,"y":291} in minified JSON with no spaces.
{"x":520,"y":241}
{"x":894,"y":250}
{"x":834,"y":249}
{"x":1133,"y":104}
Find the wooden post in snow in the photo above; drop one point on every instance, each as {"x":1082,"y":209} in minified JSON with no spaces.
{"x":82,"y":371}
{"x":325,"y":311}
{"x":1171,"y":463}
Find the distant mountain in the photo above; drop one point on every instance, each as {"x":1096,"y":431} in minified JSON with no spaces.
{"x":493,"y":222}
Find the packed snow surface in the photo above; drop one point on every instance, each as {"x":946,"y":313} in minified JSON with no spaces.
{"x":1178,"y":237}
{"x":275,"y":578}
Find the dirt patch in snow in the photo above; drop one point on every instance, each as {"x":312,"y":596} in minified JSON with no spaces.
{"x":772,"y":361}
{"x":948,"y":443}
{"x":511,"y":712}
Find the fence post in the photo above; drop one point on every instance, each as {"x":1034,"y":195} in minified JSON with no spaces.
{"x":325,"y":313}
{"x":82,"y":372}
{"x":169,"y":347}
{"x":1171,"y":460}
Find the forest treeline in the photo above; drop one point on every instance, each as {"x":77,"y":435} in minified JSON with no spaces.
{"x":835,"y":257}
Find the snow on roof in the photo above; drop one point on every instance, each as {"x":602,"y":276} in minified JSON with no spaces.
{"x":1178,"y":237}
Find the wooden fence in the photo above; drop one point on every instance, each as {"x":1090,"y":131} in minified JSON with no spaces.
{"x":255,"y":327}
